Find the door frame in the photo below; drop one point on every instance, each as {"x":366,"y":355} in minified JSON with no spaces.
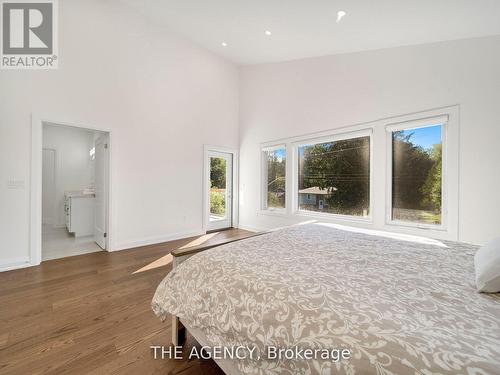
{"x":107,"y":158}
{"x":56,"y":166}
{"x":36,"y":183}
{"x":227,"y":221}
{"x":235,"y":184}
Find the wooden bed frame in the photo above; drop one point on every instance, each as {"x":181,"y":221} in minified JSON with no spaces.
{"x":179,"y":256}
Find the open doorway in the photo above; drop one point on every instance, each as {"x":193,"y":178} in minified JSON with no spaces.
{"x":220,"y":187}
{"x":75,"y":180}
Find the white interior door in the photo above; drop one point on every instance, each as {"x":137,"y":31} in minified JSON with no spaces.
{"x":101,"y":191}
{"x":220,"y":190}
{"x":48,"y":186}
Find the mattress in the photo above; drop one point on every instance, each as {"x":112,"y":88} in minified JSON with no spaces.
{"x":399,"y":304}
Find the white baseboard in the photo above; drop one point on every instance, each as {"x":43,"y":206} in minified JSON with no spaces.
{"x":11,"y":264}
{"x":155,"y":240}
{"x":15,"y":263}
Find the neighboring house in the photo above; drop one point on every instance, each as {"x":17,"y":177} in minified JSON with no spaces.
{"x":314,"y":197}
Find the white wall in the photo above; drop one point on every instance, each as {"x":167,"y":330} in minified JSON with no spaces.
{"x":74,"y":168}
{"x":161,"y":97}
{"x":294,"y":98}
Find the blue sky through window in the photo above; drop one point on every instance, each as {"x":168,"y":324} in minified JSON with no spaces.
{"x":280,"y":153}
{"x":425,"y":137}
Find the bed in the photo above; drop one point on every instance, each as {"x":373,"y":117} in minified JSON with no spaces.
{"x":400,"y":304}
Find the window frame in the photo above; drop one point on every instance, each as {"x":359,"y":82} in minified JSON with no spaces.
{"x":333,"y":137}
{"x":380,"y":174}
{"x":443,"y":121}
{"x":263,"y":173}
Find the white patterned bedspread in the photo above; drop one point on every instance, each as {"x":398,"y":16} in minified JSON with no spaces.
{"x":403,"y":305}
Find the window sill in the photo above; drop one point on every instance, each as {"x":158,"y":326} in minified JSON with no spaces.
{"x":334,"y":217}
{"x":425,"y":227}
{"x":275,"y":212}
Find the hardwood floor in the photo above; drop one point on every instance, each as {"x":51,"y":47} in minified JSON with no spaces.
{"x":90,"y":314}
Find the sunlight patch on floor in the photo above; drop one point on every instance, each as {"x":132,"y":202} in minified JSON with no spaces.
{"x":161,"y":262}
{"x":168,"y":259}
{"x":200,"y":240}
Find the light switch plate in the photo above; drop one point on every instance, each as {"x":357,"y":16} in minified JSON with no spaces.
{"x":15,"y":184}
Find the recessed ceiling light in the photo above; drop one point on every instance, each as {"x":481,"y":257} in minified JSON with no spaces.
{"x":224,"y":44}
{"x":340,"y":15}
{"x":268,"y":33}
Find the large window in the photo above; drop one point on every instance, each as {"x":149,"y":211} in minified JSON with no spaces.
{"x":417,"y":175}
{"x":398,"y":174}
{"x":274,"y":188}
{"x":334,"y":177}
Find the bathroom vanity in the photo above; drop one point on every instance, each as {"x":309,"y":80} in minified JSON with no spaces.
{"x":79,"y":211}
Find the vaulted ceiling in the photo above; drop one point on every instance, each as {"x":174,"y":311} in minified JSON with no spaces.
{"x":298,"y":29}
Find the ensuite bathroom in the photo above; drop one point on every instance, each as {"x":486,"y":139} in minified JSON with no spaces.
{"x":74,"y":190}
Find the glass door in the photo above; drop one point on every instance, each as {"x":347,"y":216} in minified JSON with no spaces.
{"x":220,"y":185}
